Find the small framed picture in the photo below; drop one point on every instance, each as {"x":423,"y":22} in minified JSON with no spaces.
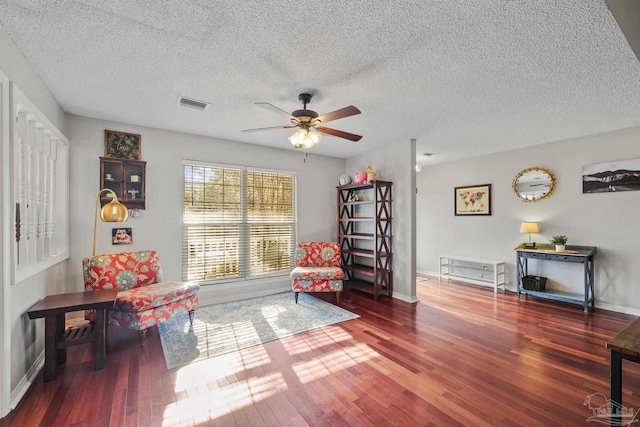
{"x":122,"y":145}
{"x":121,"y":236}
{"x":473,"y":200}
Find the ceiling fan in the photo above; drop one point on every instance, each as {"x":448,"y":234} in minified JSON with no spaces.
{"x":309,"y":123}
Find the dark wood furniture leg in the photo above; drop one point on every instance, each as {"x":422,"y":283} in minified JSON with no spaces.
{"x":192,"y":313}
{"x":101,"y":333}
{"x":142,"y":335}
{"x":61,"y":351}
{"x":616,"y":387}
{"x":50,"y":359}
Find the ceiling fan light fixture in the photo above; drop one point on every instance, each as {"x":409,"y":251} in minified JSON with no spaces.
{"x":305,"y":138}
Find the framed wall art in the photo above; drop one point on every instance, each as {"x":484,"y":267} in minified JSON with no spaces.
{"x":623,"y":175}
{"x":121,"y":236}
{"x":122,"y":145}
{"x":473,"y":200}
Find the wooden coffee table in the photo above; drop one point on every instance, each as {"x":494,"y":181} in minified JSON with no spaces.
{"x":56,"y":339}
{"x":625,"y":345}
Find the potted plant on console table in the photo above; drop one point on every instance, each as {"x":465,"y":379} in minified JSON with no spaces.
{"x":560,"y":242}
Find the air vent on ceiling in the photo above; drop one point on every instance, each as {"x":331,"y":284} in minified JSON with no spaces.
{"x":193,"y":103}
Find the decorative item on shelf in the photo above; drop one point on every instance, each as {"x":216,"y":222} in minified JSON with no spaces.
{"x":360,"y":177}
{"x":135,"y":178}
{"x":353,"y":197}
{"x":133,"y":192}
{"x":134,"y":213}
{"x":534,"y":283}
{"x":371,"y":174}
{"x":560,"y":242}
{"x":113,"y":211}
{"x":108,"y":177}
{"x":529,"y":227}
{"x":122,"y":145}
{"x":345,"y":179}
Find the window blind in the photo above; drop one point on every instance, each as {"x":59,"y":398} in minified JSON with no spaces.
{"x":237,"y":222}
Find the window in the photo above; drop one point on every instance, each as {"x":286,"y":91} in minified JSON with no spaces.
{"x":40,"y":205}
{"x":237,"y":222}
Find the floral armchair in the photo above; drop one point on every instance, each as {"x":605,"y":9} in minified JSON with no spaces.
{"x":144,"y":299}
{"x":317,"y":269}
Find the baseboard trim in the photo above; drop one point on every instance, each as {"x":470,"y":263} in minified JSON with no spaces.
{"x":617,"y":308}
{"x":23,"y":386}
{"x":599,"y":304}
{"x":405,"y":298}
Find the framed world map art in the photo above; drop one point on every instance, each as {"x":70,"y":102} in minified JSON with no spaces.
{"x":473,"y":200}
{"x":122,"y":145}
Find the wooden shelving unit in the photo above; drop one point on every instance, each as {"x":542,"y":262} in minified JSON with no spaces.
{"x":365,"y":236}
{"x":130,"y":191}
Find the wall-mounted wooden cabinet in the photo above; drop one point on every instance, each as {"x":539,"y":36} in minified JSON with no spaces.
{"x":126,"y":178}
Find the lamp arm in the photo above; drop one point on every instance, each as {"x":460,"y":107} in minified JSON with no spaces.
{"x":95,"y":222}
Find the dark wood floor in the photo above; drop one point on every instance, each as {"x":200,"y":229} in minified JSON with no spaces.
{"x":462,"y":356}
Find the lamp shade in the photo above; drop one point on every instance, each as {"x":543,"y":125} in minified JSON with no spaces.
{"x":529,"y":227}
{"x":114,"y":211}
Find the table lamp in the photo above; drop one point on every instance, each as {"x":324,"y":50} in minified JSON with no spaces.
{"x":114,"y":211}
{"x":529,"y":227}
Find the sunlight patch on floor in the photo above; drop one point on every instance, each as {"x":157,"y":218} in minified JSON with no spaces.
{"x":221,"y":366}
{"x":333,"y":362}
{"x":315,"y":339}
{"x":272,"y":315}
{"x":217,"y":388}
{"x":209,"y":397}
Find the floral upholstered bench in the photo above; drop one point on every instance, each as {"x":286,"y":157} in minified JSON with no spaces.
{"x":317,"y":269}
{"x":144,"y":299}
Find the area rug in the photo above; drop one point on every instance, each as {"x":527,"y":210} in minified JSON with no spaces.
{"x":223,"y":328}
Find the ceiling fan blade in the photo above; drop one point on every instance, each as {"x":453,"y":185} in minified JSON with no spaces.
{"x":269,"y":128}
{"x":339,"y":133}
{"x":339,"y":114}
{"x":275,"y":109}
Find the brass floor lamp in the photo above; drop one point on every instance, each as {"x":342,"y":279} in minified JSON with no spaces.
{"x":114,"y":211}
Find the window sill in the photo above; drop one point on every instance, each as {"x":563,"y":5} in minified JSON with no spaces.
{"x":22,"y":274}
{"x":257,"y":280}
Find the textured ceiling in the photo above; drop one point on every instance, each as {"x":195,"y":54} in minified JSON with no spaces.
{"x":464,"y":78}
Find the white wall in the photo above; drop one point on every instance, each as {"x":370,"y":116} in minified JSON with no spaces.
{"x":159,"y":227}
{"x":22,"y":338}
{"x":395,"y":163}
{"x":608,"y":221}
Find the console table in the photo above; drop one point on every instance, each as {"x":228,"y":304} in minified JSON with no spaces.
{"x":577,"y":254}
{"x":56,"y":339}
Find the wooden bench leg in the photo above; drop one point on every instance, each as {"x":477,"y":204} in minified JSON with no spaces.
{"x":338,"y":298}
{"x":141,"y":337}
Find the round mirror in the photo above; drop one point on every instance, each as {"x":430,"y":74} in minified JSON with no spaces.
{"x":534,"y":184}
